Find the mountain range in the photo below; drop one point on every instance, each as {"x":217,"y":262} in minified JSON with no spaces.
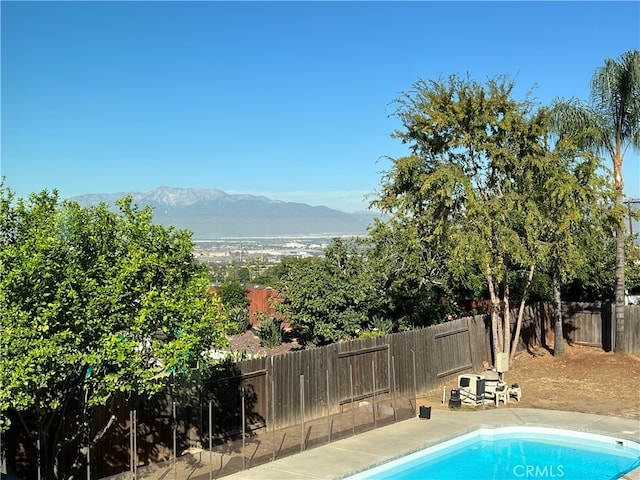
{"x":212,"y":213}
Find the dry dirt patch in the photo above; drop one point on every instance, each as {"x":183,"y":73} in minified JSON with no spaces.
{"x":584,"y":379}
{"x":249,"y":342}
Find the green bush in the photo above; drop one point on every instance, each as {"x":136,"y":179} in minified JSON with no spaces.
{"x":270,"y":332}
{"x":377,"y":327}
{"x":382,"y":325}
{"x":236,"y":321}
{"x":232,"y":294}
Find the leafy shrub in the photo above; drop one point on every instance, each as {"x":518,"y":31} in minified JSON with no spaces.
{"x":236,"y":321}
{"x":233,"y":295}
{"x":382,"y":325}
{"x":270,"y":332}
{"x":378,"y":326}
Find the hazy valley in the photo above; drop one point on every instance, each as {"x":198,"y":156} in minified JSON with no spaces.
{"x":229,"y":227}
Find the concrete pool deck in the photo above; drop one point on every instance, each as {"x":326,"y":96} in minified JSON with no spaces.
{"x":351,"y":455}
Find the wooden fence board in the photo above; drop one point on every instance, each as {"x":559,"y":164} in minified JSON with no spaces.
{"x":632,"y":328}
{"x":582,"y":324}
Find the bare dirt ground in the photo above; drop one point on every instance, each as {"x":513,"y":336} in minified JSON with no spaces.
{"x":584,"y":379}
{"x":250,"y":343}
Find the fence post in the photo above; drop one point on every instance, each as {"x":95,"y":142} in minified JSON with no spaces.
{"x":200,"y":389}
{"x":133,"y":442}
{"x":273,"y":412}
{"x":374,"y":406}
{"x":353,"y":413}
{"x":415,"y":388}
{"x":88,"y":425}
{"x":302,"y":413}
{"x":389,"y":369}
{"x":175,"y":440}
{"x":39,"y":458}
{"x":328,"y":408}
{"x":210,"y":439}
{"x":244,"y":423}
{"x":2,"y":455}
{"x":89,"y":451}
{"x":393,"y":384}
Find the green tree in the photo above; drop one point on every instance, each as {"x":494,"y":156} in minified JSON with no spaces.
{"x":470,"y":184}
{"x":593,"y":281}
{"x":232,"y":294}
{"x":235,"y":307}
{"x":609,"y":122}
{"x":92,"y":303}
{"x":268,"y":276}
{"x":575,"y":202}
{"x":326,"y":299}
{"x":411,"y":276}
{"x":633,"y":267}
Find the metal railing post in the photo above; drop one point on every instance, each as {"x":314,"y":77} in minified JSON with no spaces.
{"x":175,"y":440}
{"x":210,"y":439}
{"x":243,"y":429}
{"x":415,"y":387}
{"x":374,"y":406}
{"x":394,"y":394}
{"x":133,"y":442}
{"x":353,"y":413}
{"x":273,"y":413}
{"x":328,"y":409}
{"x":301,"y":413}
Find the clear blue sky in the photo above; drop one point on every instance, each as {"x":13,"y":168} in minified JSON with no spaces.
{"x":286,"y":99}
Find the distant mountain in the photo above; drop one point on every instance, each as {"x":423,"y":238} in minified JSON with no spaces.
{"x":211,"y":213}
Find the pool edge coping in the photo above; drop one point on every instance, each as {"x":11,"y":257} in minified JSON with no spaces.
{"x":519,"y":413}
{"x":481,"y":431}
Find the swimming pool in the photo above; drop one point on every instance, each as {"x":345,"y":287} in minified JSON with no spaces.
{"x":515,"y":453}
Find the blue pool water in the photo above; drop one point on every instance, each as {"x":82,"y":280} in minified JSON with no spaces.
{"x":515,"y":453}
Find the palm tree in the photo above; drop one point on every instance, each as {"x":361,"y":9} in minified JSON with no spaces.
{"x":609,"y":123}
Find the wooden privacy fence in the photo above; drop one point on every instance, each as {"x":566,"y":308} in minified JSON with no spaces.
{"x":261,"y":409}
{"x":632,"y":328}
{"x":594,"y":325}
{"x":586,"y":324}
{"x":334,"y":376}
{"x":297,"y":400}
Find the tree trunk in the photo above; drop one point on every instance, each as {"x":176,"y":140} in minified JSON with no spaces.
{"x":523,"y":304}
{"x":558,"y":342}
{"x":495,"y":317}
{"x":499,"y":320}
{"x":495,"y":338}
{"x":507,"y":312}
{"x":620,"y":287}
